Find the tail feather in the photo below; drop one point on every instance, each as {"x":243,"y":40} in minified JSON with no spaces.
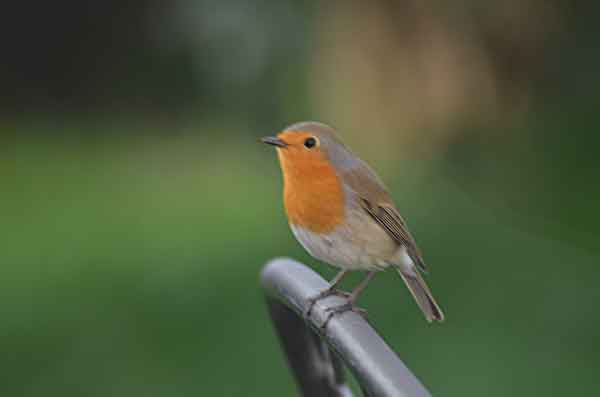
{"x":422,"y":294}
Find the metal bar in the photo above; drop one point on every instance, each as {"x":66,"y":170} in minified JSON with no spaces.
{"x":318,"y":373}
{"x":380,"y":373}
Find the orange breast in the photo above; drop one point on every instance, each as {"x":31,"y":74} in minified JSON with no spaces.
{"x":313,"y":194}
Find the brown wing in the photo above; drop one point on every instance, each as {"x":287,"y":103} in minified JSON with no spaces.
{"x":375,"y":200}
{"x":394,"y":225}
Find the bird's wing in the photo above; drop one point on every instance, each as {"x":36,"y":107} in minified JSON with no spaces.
{"x":373,"y":198}
{"x":389,"y":218}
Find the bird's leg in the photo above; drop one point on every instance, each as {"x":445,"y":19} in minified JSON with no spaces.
{"x":331,"y":290}
{"x":350,"y":303}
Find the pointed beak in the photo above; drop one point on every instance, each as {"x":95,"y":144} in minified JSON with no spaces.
{"x":273,"y":140}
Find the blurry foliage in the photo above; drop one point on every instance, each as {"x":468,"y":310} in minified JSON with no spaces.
{"x":219,"y":60}
{"x":137,"y":206}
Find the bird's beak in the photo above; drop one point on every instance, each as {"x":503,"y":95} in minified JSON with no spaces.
{"x":273,"y":140}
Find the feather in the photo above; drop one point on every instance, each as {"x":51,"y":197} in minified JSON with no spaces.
{"x":373,"y":198}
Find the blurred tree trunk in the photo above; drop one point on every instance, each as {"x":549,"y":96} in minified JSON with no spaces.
{"x":406,"y":66}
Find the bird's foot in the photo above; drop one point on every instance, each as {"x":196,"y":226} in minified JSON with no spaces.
{"x":321,"y":295}
{"x":346,"y":307}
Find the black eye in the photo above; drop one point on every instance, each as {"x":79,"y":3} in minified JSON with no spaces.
{"x":310,"y":142}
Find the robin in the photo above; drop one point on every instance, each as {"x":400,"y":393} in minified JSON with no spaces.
{"x":342,"y":214}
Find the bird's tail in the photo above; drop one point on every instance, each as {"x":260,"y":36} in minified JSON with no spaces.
{"x":422,"y":294}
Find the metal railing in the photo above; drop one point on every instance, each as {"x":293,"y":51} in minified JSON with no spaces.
{"x":317,"y":356}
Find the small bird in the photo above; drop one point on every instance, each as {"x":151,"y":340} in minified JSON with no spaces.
{"x":342,"y":214}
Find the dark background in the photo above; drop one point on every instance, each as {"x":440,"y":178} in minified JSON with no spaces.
{"x":137,"y":207}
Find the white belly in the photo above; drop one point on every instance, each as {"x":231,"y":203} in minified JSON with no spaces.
{"x":360,"y":245}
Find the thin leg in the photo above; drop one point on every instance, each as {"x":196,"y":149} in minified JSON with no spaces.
{"x":338,"y":278}
{"x":331,"y":290}
{"x":360,"y":287}
{"x":349,"y":305}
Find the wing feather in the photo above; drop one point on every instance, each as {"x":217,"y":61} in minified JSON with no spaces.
{"x":389,"y":218}
{"x":376,"y":201}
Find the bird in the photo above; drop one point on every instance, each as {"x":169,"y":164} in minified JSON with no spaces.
{"x":341,"y":212}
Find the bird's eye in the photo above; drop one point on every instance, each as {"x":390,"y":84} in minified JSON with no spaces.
{"x":310,"y":142}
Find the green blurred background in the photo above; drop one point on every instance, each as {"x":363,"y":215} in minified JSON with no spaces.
{"x":137,"y":207}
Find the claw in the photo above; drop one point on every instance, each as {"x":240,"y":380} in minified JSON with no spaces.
{"x":342,"y":294}
{"x":335,"y":310}
{"x":321,"y":295}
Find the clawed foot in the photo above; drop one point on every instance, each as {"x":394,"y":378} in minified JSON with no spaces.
{"x":322,"y":295}
{"x":346,"y":307}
